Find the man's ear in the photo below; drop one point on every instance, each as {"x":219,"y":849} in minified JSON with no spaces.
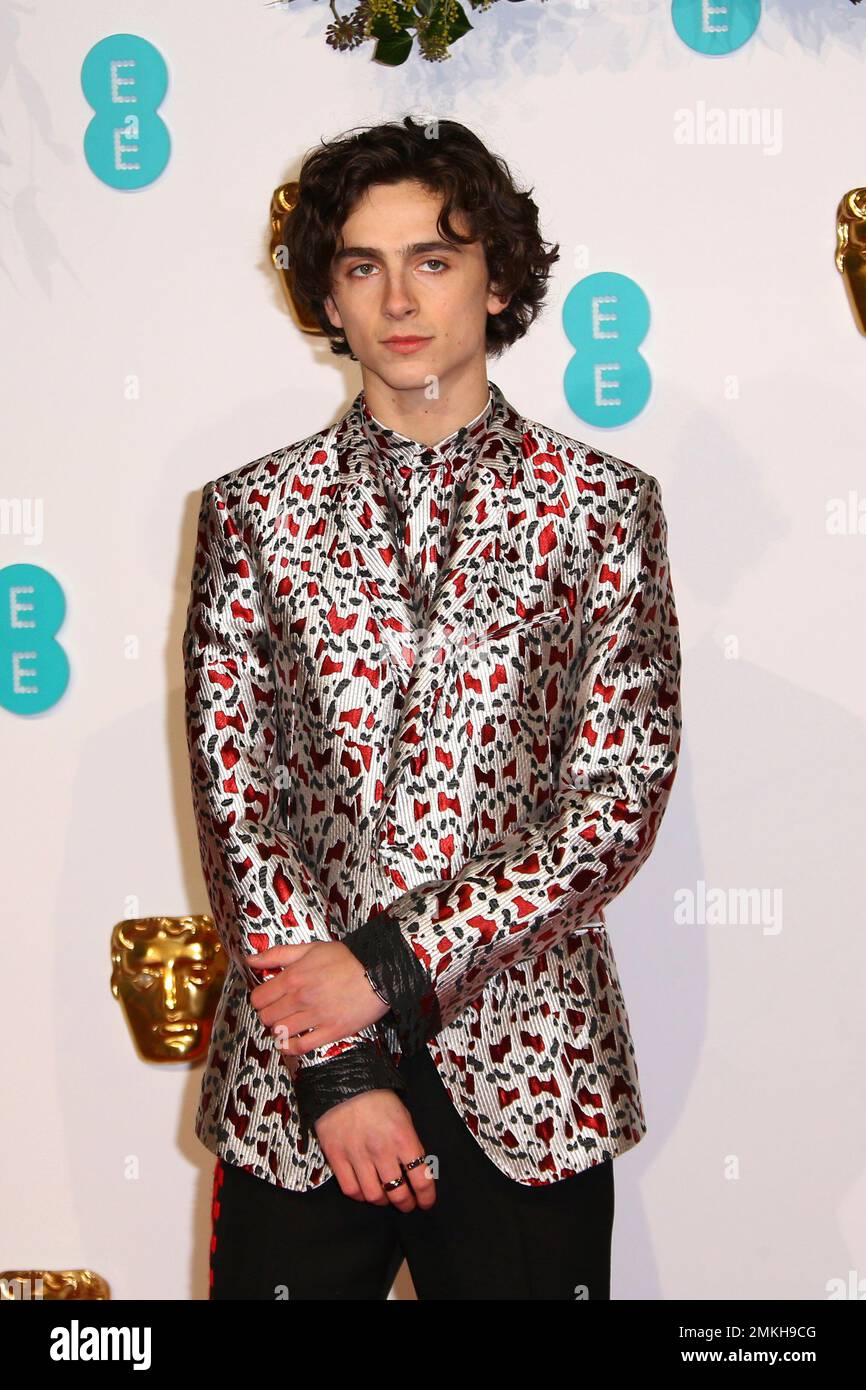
{"x":332,"y":311}
{"x":496,"y":302}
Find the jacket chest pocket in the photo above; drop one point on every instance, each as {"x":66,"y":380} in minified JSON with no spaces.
{"x":502,"y":680}
{"x":508,"y":656}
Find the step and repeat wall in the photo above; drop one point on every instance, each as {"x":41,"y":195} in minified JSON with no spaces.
{"x":700,"y":167}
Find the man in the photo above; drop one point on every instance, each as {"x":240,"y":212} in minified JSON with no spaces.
{"x":433,"y":711}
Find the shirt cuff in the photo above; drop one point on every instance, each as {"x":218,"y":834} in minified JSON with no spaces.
{"x":392,"y":965}
{"x":362,"y":1068}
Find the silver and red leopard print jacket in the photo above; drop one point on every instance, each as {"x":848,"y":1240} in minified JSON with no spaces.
{"x":453,"y":771}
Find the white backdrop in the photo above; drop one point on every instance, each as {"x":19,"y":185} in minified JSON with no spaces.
{"x":150,"y":350}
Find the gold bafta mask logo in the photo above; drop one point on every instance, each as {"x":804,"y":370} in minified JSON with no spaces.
{"x":167,"y":973}
{"x":19,"y":1285}
{"x":282,"y":202}
{"x":851,"y":251}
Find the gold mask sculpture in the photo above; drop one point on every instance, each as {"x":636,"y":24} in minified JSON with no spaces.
{"x":282,"y":202}
{"x":168,"y":973}
{"x":851,"y":251}
{"x":37,"y":1284}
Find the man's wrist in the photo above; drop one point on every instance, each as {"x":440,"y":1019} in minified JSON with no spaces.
{"x":398,"y":975}
{"x":376,"y":989}
{"x":363,"y":1068}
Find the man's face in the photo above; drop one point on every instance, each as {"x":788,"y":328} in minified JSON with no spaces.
{"x":394,"y":277}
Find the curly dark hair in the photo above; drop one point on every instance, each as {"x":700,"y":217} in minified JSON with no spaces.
{"x":470,"y":179}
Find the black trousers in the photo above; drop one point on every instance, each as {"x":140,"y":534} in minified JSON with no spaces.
{"x":486,"y":1236}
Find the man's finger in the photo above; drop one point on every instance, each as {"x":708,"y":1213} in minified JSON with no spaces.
{"x":299,"y":1038}
{"x":371,"y":1183}
{"x":421,"y":1178}
{"x":271,"y":989}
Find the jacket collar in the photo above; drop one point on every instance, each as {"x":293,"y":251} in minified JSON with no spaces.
{"x":365,"y":548}
{"x":392,"y":447}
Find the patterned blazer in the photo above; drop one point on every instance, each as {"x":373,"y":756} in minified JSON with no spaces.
{"x":459,"y":804}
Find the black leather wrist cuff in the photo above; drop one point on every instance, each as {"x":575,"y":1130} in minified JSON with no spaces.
{"x":362,"y":1068}
{"x":391,"y":963}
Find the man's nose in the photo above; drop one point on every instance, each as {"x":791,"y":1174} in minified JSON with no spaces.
{"x":399,"y":297}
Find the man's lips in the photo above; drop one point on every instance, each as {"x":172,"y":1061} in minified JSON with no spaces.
{"x":408,"y":344}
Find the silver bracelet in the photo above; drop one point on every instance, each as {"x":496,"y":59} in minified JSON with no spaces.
{"x":384,"y":998}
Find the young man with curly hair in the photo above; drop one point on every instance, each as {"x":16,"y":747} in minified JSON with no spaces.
{"x":433,"y":711}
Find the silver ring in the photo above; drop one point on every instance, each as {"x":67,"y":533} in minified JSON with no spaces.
{"x":395,"y":1182}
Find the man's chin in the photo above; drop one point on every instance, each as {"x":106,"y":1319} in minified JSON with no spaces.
{"x":405,"y":374}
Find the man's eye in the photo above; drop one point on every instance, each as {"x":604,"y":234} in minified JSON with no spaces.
{"x":434,"y":260}
{"x":364,"y":265}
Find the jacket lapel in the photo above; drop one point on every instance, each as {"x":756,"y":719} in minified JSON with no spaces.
{"x":478,"y":584}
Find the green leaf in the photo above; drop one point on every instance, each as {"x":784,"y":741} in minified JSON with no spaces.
{"x":383,"y":25}
{"x":458,"y":26}
{"x":393,"y":49}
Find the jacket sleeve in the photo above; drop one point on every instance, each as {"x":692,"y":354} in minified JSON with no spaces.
{"x":262,"y":892}
{"x":549,"y":877}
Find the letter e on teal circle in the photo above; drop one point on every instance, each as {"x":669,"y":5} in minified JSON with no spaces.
{"x":34,"y":668}
{"x":606,"y":317}
{"x":715,"y":27}
{"x":125,"y":79}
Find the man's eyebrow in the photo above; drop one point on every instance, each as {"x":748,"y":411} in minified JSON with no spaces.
{"x":374,"y":253}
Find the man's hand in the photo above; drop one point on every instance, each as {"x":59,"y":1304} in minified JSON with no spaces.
{"x":321,"y":988}
{"x":365,"y":1139}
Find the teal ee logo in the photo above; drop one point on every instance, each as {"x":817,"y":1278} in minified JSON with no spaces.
{"x":606,"y":317}
{"x":715,"y":27}
{"x":124,"y":79}
{"x":34,"y":668}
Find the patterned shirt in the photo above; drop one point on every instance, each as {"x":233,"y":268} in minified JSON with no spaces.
{"x":423,"y":485}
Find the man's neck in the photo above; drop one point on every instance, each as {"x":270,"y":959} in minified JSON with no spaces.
{"x":418,"y":416}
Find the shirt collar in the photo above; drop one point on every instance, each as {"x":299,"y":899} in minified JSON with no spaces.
{"x":390,"y":446}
